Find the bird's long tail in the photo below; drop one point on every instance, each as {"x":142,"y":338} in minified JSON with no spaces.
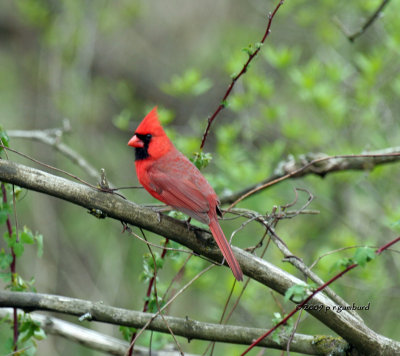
{"x":225,"y":248}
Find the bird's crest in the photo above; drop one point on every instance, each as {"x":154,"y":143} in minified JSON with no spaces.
{"x":151,"y":125}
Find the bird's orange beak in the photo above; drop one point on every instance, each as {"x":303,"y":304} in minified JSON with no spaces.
{"x":135,"y":142}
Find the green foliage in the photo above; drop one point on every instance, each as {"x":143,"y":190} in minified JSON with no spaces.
{"x":174,"y":255}
{"x":127,"y":332}
{"x":201,"y":159}
{"x":297,"y":293}
{"x":26,"y":237}
{"x":5,"y":210}
{"x":148,"y":265}
{"x":363,"y":255}
{"x":189,"y":83}
{"x":5,"y":259}
{"x":251,"y":49}
{"x":29,"y":330}
{"x":4,"y":139}
{"x":286,"y":330}
{"x":177,"y":215}
{"x":154,"y":303}
{"x":341,"y":264}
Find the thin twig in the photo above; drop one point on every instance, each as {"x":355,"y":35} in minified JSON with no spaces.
{"x":177,"y":277}
{"x":52,"y":137}
{"x":187,"y":285}
{"x":334,"y":251}
{"x":223,"y":102}
{"x":368,"y":23}
{"x":51,"y":167}
{"x":291,"y":336}
{"x":156,"y":292}
{"x":150,"y":286}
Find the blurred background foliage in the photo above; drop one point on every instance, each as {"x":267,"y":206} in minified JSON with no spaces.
{"x":103,"y":64}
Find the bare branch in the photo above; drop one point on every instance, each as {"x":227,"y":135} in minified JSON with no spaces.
{"x":319,"y":164}
{"x":52,"y":137}
{"x":252,"y":54}
{"x":89,"y":338}
{"x":377,"y":13}
{"x":185,"y":327}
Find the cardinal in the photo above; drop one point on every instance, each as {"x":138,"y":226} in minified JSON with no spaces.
{"x":171,"y":178}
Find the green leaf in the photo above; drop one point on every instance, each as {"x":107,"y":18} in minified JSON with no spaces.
{"x":127,"y":332}
{"x":275,"y":336}
{"x":6,"y":277}
{"x":18,"y":249}
{"x":277,"y":318}
{"x":20,"y":285}
{"x":363,"y":255}
{"x":297,"y":293}
{"x":341,"y":264}
{"x":3,"y":138}
{"x":201,"y":159}
{"x":30,"y":329}
{"x":152,"y":306}
{"x":177,"y":215}
{"x":5,"y":259}
{"x":5,"y":211}
{"x":250,"y":49}
{"x":26,"y":236}
{"x":10,"y":240}
{"x":39,"y":334}
{"x":9,"y":346}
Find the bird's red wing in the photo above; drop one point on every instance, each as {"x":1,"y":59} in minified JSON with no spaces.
{"x":181,"y":192}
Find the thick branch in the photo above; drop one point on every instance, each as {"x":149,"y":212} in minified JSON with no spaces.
{"x":200,"y":241}
{"x":366,"y":161}
{"x":190,"y":329}
{"x":86,"y":337}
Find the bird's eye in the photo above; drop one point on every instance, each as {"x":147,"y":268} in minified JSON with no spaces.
{"x":148,"y":136}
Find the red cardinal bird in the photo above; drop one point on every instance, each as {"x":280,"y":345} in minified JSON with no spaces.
{"x":171,"y":178}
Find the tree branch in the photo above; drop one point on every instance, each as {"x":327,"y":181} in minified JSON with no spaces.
{"x":322,"y":164}
{"x":200,"y":241}
{"x":86,"y":337}
{"x":52,"y":137}
{"x":377,"y":13}
{"x":252,"y":55}
{"x":190,"y":329}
